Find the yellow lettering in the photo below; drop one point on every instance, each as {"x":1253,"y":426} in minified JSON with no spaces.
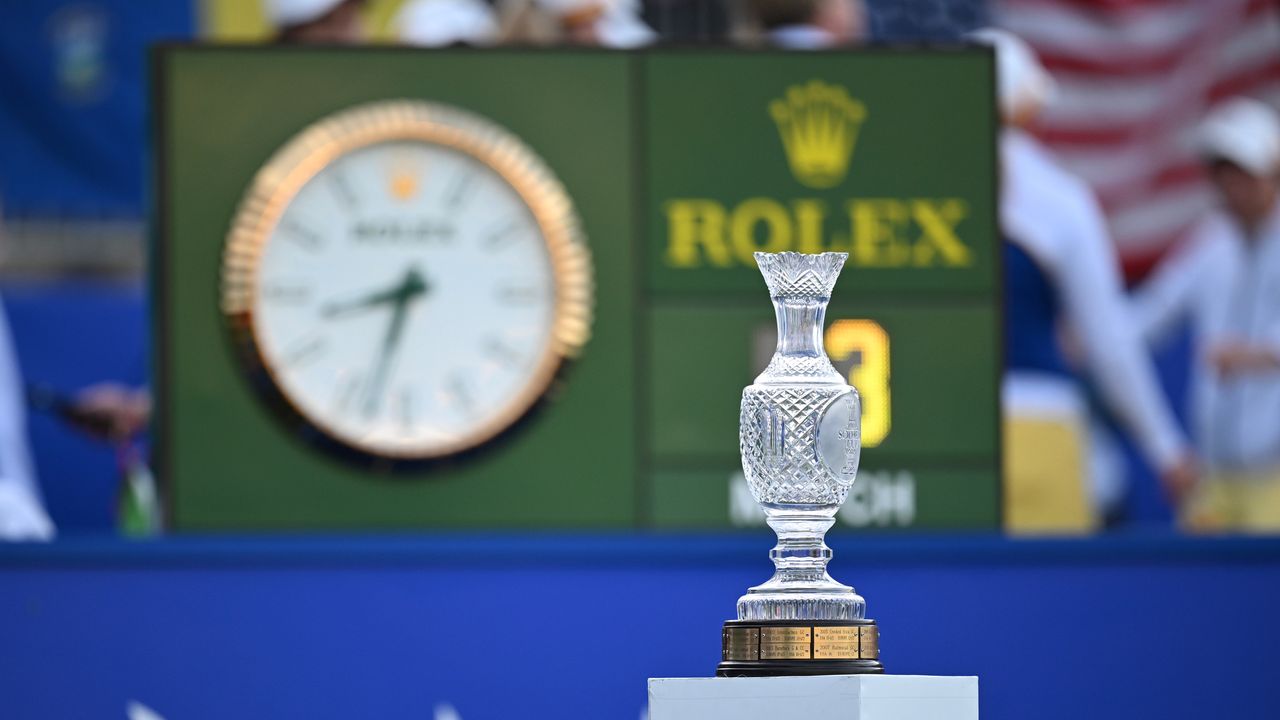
{"x":937,"y":221}
{"x":742,"y":230}
{"x":878,"y":232}
{"x":868,"y":343}
{"x":694,"y":224}
{"x":882,"y":232}
{"x":811,"y":215}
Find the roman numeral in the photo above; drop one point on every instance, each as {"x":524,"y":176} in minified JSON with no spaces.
{"x":342,"y":189}
{"x":502,"y":353}
{"x":348,"y":389}
{"x":304,"y":351}
{"x":503,"y":236}
{"x":279,"y":292}
{"x":406,"y":409}
{"x":458,"y":395}
{"x":302,"y":235}
{"x":515,"y":294}
{"x":459,"y":190}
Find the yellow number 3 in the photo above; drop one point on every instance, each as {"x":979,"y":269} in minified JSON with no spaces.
{"x":868,"y":345}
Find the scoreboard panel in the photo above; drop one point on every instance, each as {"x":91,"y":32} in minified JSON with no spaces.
{"x":680,"y":164}
{"x":886,"y":156}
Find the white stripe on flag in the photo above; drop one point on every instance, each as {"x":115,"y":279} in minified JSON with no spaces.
{"x":1155,"y":29}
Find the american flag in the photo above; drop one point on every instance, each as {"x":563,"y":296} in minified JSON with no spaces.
{"x":1134,"y":78}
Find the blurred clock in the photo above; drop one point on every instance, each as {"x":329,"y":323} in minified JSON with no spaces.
{"x":405,"y":281}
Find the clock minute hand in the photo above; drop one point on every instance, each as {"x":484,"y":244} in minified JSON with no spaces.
{"x":412,"y":287}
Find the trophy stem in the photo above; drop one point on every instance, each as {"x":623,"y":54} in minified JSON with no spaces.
{"x":800,"y":587}
{"x":801,"y":554}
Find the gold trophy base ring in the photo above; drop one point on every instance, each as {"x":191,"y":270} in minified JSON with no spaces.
{"x":762,"y":648}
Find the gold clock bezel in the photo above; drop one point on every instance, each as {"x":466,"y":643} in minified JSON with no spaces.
{"x":324,"y":142}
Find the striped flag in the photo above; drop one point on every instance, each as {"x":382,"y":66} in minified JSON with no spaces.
{"x":1135,"y":77}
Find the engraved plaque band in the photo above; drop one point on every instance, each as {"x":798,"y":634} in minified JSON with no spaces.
{"x":786,"y":643}
{"x":836,"y":643}
{"x":741,"y":644}
{"x":765,"y":643}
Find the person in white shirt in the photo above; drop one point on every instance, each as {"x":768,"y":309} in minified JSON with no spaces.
{"x":1061,"y":277}
{"x":447,"y":23}
{"x":1226,"y":281}
{"x":22,"y":513}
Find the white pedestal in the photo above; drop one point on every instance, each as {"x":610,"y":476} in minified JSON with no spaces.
{"x":822,"y":697}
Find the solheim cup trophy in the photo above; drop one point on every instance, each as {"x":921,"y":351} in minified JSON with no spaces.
{"x":800,"y":438}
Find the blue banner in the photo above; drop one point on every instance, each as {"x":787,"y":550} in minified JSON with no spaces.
{"x":525,"y":627}
{"x":73,"y":83}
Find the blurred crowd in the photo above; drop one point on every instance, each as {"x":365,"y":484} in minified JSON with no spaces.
{"x":1079,"y":332}
{"x":1068,"y":318}
{"x":618,"y":24}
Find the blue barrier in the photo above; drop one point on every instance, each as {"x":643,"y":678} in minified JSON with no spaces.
{"x":569,"y":626}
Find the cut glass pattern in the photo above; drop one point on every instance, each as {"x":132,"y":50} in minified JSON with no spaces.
{"x":780,"y":420}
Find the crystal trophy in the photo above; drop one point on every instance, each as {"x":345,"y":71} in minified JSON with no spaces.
{"x":800,"y":439}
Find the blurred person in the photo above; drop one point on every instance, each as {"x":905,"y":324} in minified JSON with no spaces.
{"x":810,"y":24}
{"x":1061,"y":274}
{"x":1108,"y":469}
{"x":106,"y":411}
{"x":110,"y":411}
{"x":446,"y":23}
{"x":22,"y":512}
{"x":1226,"y":281}
{"x":317,"y":21}
{"x":605,"y":23}
{"x":116,"y":414}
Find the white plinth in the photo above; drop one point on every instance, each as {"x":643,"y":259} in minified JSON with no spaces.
{"x":824,"y":697}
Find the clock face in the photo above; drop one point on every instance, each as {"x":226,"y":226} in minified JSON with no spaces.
{"x":412,"y":292}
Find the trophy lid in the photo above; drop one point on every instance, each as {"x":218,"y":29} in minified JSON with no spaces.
{"x":801,"y":276}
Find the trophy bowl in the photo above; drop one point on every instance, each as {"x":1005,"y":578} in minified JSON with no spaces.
{"x":800,"y":439}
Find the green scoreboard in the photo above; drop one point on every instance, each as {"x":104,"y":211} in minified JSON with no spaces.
{"x":677,"y":165}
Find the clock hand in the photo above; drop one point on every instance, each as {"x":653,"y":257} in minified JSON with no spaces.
{"x":335,"y":310}
{"x":411,"y":288}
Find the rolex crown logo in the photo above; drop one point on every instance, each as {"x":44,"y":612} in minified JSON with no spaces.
{"x":819,"y":126}
{"x":403,"y":184}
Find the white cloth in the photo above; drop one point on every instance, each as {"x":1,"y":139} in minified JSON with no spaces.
{"x":1022,"y":83}
{"x":22,"y":515}
{"x":1229,"y":288}
{"x":801,"y":37}
{"x":287,"y":13}
{"x":619,"y":25}
{"x":1054,"y":217}
{"x":441,"y":23}
{"x":622,"y":28}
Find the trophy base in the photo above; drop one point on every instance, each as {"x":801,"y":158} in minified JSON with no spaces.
{"x":765,"y":648}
